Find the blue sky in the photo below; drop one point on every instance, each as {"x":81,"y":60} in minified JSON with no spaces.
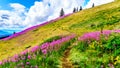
{"x":27,"y":3}
{"x":86,"y":2}
{"x":4,"y":4}
{"x":21,"y":14}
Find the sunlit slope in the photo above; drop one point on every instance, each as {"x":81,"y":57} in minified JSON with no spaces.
{"x":88,"y":20}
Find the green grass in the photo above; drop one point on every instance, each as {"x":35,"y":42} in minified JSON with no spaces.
{"x":97,"y":53}
{"x":87,"y":20}
{"x":50,"y":60}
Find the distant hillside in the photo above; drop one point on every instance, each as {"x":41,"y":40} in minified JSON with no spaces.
{"x":105,"y":16}
{"x":7,"y":32}
{"x":4,"y":34}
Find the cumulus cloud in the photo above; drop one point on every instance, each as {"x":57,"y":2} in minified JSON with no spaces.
{"x":97,"y":2}
{"x":18,"y":7}
{"x":13,"y":18}
{"x":40,"y":12}
{"x":50,"y":9}
{"x":37,"y":14}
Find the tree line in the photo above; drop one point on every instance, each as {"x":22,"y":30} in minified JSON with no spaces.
{"x":74,"y":10}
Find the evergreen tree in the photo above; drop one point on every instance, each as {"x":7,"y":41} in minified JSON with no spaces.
{"x":80,"y":8}
{"x":14,"y":32}
{"x":61,"y":12}
{"x":93,"y":5}
{"x":74,"y":10}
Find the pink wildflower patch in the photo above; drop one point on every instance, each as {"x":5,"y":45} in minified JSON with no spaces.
{"x":96,"y":35}
{"x":1,"y":63}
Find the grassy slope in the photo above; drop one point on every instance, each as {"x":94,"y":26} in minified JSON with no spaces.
{"x":78,"y":23}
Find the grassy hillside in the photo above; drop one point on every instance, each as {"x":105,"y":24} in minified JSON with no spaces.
{"x":106,"y":17}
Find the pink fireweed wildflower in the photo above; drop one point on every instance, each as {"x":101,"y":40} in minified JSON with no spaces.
{"x":44,"y":46}
{"x":107,"y":32}
{"x":44,"y":51}
{"x":5,"y":61}
{"x":24,"y":52}
{"x":27,"y":63}
{"x":29,"y":57}
{"x":14,"y":60}
{"x":34,"y":49}
{"x":16,"y":56}
{"x":23,"y":57}
{"x":1,"y":63}
{"x":55,"y":44}
{"x":117,"y":31}
{"x":88,"y":36}
{"x":96,"y":35}
{"x":36,"y":66}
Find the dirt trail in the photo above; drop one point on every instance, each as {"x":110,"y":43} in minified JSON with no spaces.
{"x":65,"y":60}
{"x":66,"y":63}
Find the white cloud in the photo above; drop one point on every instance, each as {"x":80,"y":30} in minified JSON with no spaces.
{"x":18,"y":7}
{"x":50,"y":9}
{"x":97,"y":2}
{"x":40,"y":12}
{"x":13,"y":18}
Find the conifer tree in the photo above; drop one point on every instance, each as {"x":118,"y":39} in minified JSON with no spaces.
{"x":61,"y":12}
{"x":80,"y":8}
{"x":74,"y":10}
{"x":93,"y":5}
{"x":14,"y":32}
